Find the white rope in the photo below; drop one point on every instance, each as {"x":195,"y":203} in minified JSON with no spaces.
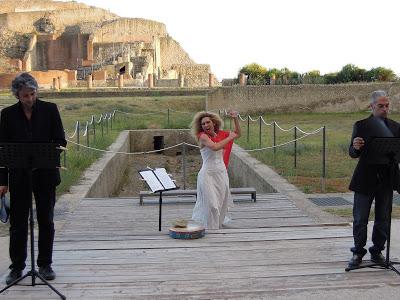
{"x":91,"y":120}
{"x":272,"y":123}
{"x":255,"y":120}
{"x":131,"y":153}
{"x":291,"y":128}
{"x":240,"y":117}
{"x":191,"y":145}
{"x":268,"y":124}
{"x":100,"y":119}
{"x":286,"y":143}
{"x":76,"y":130}
{"x":305,"y":132}
{"x":86,"y":129}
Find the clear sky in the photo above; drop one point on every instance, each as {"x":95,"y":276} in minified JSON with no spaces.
{"x":302,"y":35}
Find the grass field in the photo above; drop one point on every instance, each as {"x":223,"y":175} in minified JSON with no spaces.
{"x":151,"y":112}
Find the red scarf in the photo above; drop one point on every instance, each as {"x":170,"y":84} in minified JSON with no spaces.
{"x":221,"y":135}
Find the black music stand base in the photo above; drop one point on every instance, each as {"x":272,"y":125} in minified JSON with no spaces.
{"x":34,"y":274}
{"x":388,"y":266}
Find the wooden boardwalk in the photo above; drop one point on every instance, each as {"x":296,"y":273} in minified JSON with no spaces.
{"x":112,"y":249}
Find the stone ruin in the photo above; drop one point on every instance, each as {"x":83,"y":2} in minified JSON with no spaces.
{"x":65,"y":43}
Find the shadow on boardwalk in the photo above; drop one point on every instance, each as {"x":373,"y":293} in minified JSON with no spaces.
{"x":112,"y":249}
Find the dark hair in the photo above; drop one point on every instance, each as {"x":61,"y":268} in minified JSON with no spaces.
{"x":23,"y":80}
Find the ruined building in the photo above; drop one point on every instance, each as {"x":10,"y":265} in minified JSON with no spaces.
{"x":71,"y":40}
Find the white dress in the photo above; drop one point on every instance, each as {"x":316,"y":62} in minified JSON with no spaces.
{"x":213,"y":194}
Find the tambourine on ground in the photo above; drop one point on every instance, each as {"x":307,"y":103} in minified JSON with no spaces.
{"x":191,"y":231}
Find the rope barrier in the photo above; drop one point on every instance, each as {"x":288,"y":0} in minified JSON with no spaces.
{"x":286,"y":143}
{"x":131,"y":153}
{"x":251,"y":119}
{"x":86,"y":129}
{"x":76,"y":130}
{"x":108,"y":116}
{"x":290,"y":129}
{"x":194,"y":146}
{"x":268,"y":124}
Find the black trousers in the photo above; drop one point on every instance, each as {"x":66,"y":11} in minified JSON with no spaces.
{"x":361,"y":209}
{"x":45,"y":198}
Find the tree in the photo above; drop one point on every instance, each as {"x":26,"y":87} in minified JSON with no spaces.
{"x":351,"y":73}
{"x":380,"y":74}
{"x":255,"y":73}
{"x":330,"y":78}
{"x":313,"y":76}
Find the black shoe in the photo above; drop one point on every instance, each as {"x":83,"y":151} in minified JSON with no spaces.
{"x":47,"y":272}
{"x":14,"y":275}
{"x":355,"y":261}
{"x":378,"y":258}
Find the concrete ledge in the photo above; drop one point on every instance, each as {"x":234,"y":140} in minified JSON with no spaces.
{"x":105,"y":175}
{"x":245,"y":170}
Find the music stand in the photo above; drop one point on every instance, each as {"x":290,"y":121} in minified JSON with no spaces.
{"x":158,"y":181}
{"x":383,"y":151}
{"x":30,"y":156}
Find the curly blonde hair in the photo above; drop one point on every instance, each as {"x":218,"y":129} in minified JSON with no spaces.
{"x":196,"y":122}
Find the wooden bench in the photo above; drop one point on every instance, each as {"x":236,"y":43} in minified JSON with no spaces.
{"x":234,"y":191}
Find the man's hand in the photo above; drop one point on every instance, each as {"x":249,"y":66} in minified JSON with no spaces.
{"x":358,"y":143}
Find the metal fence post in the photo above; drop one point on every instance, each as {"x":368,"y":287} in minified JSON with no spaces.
{"x":295,"y":147}
{"x":94,"y":129}
{"x":260,"y":130}
{"x":274,"y":137}
{"x":87,"y":133}
{"x":78,"y":125}
{"x":107,"y":122}
{"x":248,"y":128}
{"x":102,"y":125}
{"x":323,"y":158}
{"x":184,"y":165}
{"x":168,"y":117}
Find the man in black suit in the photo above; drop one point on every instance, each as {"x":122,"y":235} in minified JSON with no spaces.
{"x":30,"y":120}
{"x":372,"y":181}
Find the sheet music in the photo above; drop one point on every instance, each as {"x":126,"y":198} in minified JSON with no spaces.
{"x":152,"y":180}
{"x":164,"y":178}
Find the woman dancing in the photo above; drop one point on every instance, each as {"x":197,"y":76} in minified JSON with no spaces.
{"x":213,"y":194}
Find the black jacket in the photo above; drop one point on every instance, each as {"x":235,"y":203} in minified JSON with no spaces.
{"x":45,"y":126}
{"x":367,"y":177}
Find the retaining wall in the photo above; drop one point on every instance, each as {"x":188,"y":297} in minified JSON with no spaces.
{"x":105,"y":175}
{"x":307,"y":98}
